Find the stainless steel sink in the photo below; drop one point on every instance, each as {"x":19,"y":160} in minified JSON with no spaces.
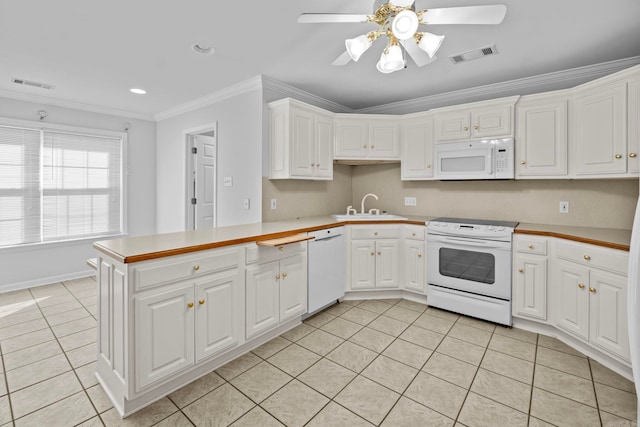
{"x":367,"y":217}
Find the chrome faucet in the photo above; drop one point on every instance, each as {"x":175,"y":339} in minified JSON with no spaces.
{"x":364,"y":198}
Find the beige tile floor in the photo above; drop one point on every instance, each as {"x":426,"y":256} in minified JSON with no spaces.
{"x":358,"y":363}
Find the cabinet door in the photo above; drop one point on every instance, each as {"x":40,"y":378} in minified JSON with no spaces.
{"x":387,"y":258}
{"x":491,"y":121}
{"x":608,"y":304}
{"x":384,"y":139}
{"x":452,"y":126}
{"x":263,"y":297}
{"x":351,"y":138}
{"x":572,"y":282}
{"x":417,"y":149}
{"x":633,"y":126}
{"x":293,"y":287}
{"x":302,"y":143}
{"x":164,"y":333}
{"x":530,"y":286}
{"x":599,"y":131}
{"x":415,"y":266}
{"x":217,"y":314}
{"x":324,"y":147}
{"x":363,"y":264}
{"x":542,"y":139}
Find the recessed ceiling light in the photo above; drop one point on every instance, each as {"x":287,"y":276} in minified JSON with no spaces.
{"x":203,"y":49}
{"x":138,"y":91}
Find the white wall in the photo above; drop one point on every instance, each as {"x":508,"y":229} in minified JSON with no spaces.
{"x":41,"y":264}
{"x":239,"y":121}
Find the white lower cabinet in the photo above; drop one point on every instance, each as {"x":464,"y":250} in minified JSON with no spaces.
{"x":414,"y":257}
{"x":529,"y":293}
{"x":375,"y":257}
{"x":591,"y":295}
{"x":276,"y":292}
{"x":181,"y":324}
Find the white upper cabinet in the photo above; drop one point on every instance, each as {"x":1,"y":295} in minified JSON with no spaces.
{"x":542,"y":140}
{"x":599,"y":130}
{"x":475,"y":121}
{"x":633,"y":124}
{"x":417,"y":147}
{"x":301,"y":141}
{"x":367,"y":136}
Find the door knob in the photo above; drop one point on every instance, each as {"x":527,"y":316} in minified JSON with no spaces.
{"x":587,"y":257}
{"x":618,"y":156}
{"x":196,"y":267}
{"x":520,"y":270}
{"x":201,"y":302}
{"x":419,"y":255}
{"x":284,"y":275}
{"x":466,"y":128}
{"x":313,"y":164}
{"x":277,"y":277}
{"x":379,"y":253}
{"x":475,"y":127}
{"x":632,"y":155}
{"x":523,"y":162}
{"x":592,"y":290}
{"x":580,"y":285}
{"x":190,"y":305}
{"x":530,"y":246}
{"x":373,"y":253}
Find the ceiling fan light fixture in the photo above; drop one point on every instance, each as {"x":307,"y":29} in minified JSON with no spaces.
{"x":404,"y":24}
{"x":359,"y":45}
{"x":401,"y":3}
{"x":391,"y":59}
{"x":430,"y":43}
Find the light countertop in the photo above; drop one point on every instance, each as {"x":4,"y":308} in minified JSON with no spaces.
{"x":142,"y":248}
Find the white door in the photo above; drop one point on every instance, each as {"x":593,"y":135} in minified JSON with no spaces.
{"x":205,"y":180}
{"x":293,"y":287}
{"x":417,"y":149}
{"x":163,"y":334}
{"x":263,"y":297}
{"x":608,"y":304}
{"x":387,"y":258}
{"x":216,"y":319}
{"x":530,"y":286}
{"x":302,"y":142}
{"x":453,"y":125}
{"x":384,"y":139}
{"x":363,"y":264}
{"x":324,"y":146}
{"x":352,"y":138}
{"x":491,"y":121}
{"x":415,"y":266}
{"x":572,"y":282}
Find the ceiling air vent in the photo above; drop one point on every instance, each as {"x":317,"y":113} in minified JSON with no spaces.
{"x":474,"y":54}
{"x":33,"y":84}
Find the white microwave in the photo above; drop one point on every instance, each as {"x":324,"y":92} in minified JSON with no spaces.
{"x":478,"y":159}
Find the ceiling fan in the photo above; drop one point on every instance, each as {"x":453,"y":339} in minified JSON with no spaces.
{"x":398,"y":20}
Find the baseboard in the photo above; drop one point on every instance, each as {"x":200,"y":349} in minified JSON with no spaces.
{"x":45,"y":281}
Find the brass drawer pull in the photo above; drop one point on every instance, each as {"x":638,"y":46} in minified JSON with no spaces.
{"x":587,"y":257}
{"x":277,"y":277}
{"x":592,"y":290}
{"x":284,"y":275}
{"x":521,"y":270}
{"x":466,"y":128}
{"x":618,"y":156}
{"x":530,"y":246}
{"x":190,"y":305}
{"x":196,"y":267}
{"x":522,"y":162}
{"x":419,"y":255}
{"x":632,"y":155}
{"x":201,"y":302}
{"x":580,"y":285}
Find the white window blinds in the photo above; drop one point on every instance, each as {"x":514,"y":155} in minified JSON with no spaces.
{"x":58,"y":185}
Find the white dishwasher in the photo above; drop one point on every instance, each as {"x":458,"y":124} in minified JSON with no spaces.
{"x":326,"y":268}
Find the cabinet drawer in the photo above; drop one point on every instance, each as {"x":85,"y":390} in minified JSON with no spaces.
{"x":182,"y":267}
{"x":375,"y":232}
{"x":594,"y":256}
{"x":531,"y":246}
{"x":260,"y":254}
{"x":414,"y":232}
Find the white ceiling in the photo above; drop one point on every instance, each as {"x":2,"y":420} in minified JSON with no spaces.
{"x":94,"y":51}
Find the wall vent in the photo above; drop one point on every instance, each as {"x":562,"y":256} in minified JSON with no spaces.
{"x":474,"y":54}
{"x":33,"y":84}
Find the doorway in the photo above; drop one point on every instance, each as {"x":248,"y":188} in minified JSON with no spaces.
{"x":201,"y":177}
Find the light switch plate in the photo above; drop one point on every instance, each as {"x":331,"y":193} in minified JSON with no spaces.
{"x":410,"y":201}
{"x":274,"y":204}
{"x":246,"y":204}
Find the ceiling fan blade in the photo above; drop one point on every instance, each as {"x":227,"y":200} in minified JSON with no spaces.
{"x":341,"y":60}
{"x":402,"y":3}
{"x":491,"y":14}
{"x":419,"y":56}
{"x":317,"y":18}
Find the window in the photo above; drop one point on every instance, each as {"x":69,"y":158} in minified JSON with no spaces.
{"x":59,"y":183}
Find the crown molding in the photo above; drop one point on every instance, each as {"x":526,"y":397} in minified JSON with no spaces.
{"x":213,"y":98}
{"x":289,"y":91}
{"x":38,"y":99}
{"x":541,"y":83}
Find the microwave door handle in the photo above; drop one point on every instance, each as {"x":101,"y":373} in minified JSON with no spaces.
{"x":491,"y":160}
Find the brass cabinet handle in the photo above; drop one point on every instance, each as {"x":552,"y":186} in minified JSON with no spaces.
{"x":190,"y":305}
{"x":587,"y":257}
{"x":466,"y":128}
{"x":580,"y":285}
{"x":632,"y":155}
{"x":530,"y":246}
{"x":201,"y":302}
{"x":419,"y":255}
{"x":592,"y":290}
{"x":618,"y":156}
{"x":196,"y":267}
{"x":523,"y":162}
{"x":313,"y":164}
{"x":413,"y":234}
{"x":281,"y":248}
{"x":429,"y":166}
{"x":364,"y":146}
{"x":373,"y":146}
{"x":476,"y":127}
{"x":379,"y":253}
{"x":277,"y":277}
{"x":284,"y":275}
{"x":317,"y":165}
{"x":373,"y":253}
{"x":375,"y":233}
{"x":520,"y":270}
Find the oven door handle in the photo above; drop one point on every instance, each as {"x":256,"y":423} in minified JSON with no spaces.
{"x":470,"y":242}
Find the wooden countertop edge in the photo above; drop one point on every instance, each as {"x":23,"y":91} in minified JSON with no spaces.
{"x":247,"y":239}
{"x":575,"y":239}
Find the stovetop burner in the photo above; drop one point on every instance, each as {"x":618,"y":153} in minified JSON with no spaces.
{"x":509,"y":224}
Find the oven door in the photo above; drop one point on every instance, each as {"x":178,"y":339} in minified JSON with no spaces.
{"x":482,"y":267}
{"x":473,"y":160}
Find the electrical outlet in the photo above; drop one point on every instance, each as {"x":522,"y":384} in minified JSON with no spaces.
{"x":410,"y":201}
{"x":564,"y":207}
{"x":274,"y":204}
{"x":228,"y":181}
{"x":246,"y":204}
